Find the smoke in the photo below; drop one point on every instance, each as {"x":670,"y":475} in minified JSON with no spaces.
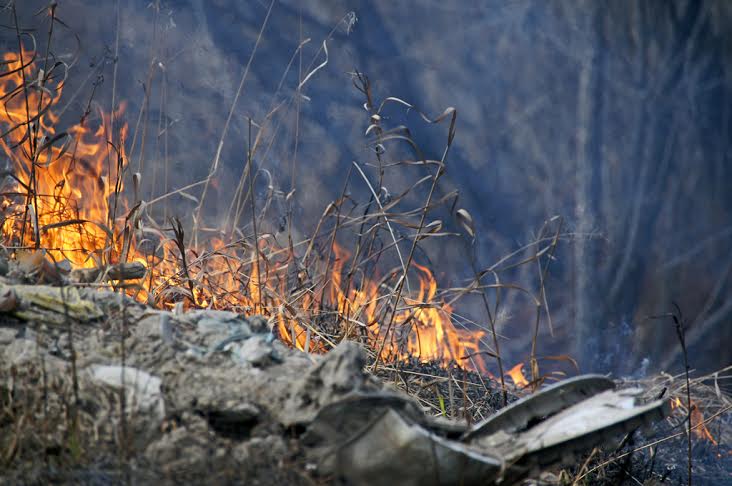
{"x":613,"y":115}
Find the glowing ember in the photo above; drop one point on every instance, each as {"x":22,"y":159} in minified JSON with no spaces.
{"x":68,"y":200}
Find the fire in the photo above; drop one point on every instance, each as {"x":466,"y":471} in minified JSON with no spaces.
{"x":65,"y":177}
{"x":68,"y":200}
{"x":424,"y":329}
{"x":517,"y":375}
{"x":699,"y":429}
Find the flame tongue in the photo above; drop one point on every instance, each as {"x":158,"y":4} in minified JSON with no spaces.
{"x":71,"y":184}
{"x":424,"y":330}
{"x":699,"y":428}
{"x":517,"y":375}
{"x":66,"y":174}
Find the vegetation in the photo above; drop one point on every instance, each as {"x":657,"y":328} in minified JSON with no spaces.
{"x":116,"y":187}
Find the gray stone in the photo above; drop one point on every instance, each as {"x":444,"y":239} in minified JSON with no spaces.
{"x":257,"y":351}
{"x":7,"y":335}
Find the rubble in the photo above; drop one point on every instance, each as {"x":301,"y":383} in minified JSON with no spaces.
{"x":107,"y":385}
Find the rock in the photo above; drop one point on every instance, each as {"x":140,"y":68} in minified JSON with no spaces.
{"x":182,"y":449}
{"x":151,"y":325}
{"x":51,"y":305}
{"x":166,"y":328}
{"x":247,"y":452}
{"x":8,"y":300}
{"x":336,"y":375}
{"x":7,"y":335}
{"x":259,"y":324}
{"x":257,"y":351}
{"x":216,"y":328}
{"x":4,"y":267}
{"x":142,"y":390}
{"x":20,"y":352}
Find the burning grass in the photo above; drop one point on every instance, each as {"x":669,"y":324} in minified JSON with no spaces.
{"x":68,"y":204}
{"x":68,"y":201}
{"x":73,"y":202}
{"x":642,"y":458}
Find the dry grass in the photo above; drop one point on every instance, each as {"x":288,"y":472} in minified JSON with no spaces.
{"x":253,"y":271}
{"x":655,"y":456}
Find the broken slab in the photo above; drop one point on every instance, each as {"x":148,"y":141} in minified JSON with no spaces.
{"x":393,"y":450}
{"x":546,"y":402}
{"x":378,"y":438}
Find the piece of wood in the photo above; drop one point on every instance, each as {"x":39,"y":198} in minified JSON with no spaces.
{"x":118,"y":271}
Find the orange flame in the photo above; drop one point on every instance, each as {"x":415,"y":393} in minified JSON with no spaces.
{"x":71,"y":175}
{"x":517,"y":375}
{"x":699,"y":428}
{"x":74,"y":187}
{"x":423,"y":330}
